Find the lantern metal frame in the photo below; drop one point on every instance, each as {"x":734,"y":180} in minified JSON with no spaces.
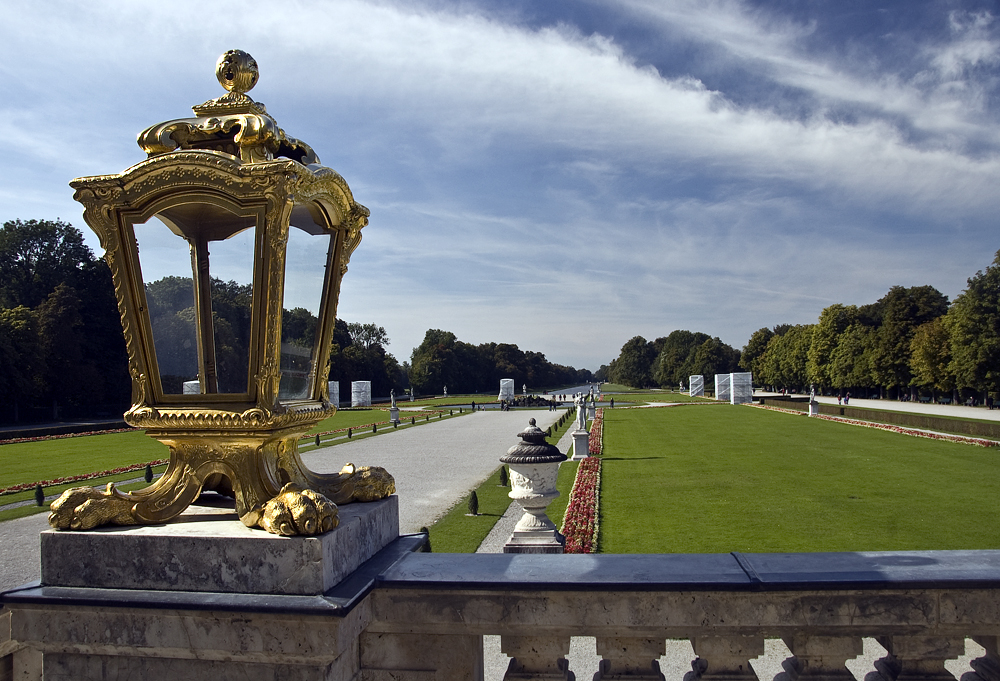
{"x":226,"y":164}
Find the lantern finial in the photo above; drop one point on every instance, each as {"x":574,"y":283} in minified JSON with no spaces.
{"x":237,"y":71}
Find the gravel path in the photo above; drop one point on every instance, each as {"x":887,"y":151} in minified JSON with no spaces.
{"x":436,"y":464}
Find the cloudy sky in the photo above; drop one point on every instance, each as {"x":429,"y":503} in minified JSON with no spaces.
{"x":565,"y":175}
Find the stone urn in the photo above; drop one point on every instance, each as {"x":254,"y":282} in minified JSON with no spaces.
{"x":534,"y":468}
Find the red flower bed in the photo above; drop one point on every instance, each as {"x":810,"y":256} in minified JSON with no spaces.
{"x":596,"y":441}
{"x":76,"y":478}
{"x":961,"y":439}
{"x":581,"y":524}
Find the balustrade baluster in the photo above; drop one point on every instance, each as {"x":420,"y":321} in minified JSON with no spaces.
{"x":821,"y":658}
{"x":630,"y":658}
{"x":726,"y":658}
{"x":918,"y":658}
{"x":537,"y":658}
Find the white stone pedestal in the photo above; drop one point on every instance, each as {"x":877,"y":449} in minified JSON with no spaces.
{"x":814,"y":408}
{"x":533,"y":486}
{"x":394,"y":414}
{"x":581,"y":445}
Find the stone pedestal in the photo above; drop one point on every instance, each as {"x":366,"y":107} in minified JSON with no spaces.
{"x":203,"y":597}
{"x":394,"y":414}
{"x":813,"y":408}
{"x":581,"y":445}
{"x":534,"y":468}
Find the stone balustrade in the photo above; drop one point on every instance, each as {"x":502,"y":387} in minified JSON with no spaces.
{"x":405,"y":615}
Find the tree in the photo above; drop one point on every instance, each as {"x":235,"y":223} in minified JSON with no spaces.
{"x":754,"y":350}
{"x":634,"y":364}
{"x":973,"y":324}
{"x":368,"y":335}
{"x":20,"y":360}
{"x":783,"y":364}
{"x":833,"y":321}
{"x":674,"y":363}
{"x":903,"y":310}
{"x":36,"y":256}
{"x":930,"y":356}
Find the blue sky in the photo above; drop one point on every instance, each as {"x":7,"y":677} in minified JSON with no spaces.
{"x":565,"y":175}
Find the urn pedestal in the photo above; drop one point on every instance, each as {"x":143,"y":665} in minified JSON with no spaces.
{"x":534,"y":469}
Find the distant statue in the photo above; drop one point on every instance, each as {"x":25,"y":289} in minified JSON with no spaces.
{"x":581,"y":412}
{"x":524,"y":389}
{"x":812,"y":392}
{"x":392,"y":397}
{"x":446,"y":391}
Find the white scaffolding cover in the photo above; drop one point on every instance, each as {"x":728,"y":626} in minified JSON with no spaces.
{"x":723,"y":386}
{"x":506,"y":389}
{"x":697,"y":386}
{"x":742,"y":388}
{"x":334,"y":392}
{"x":361,"y":393}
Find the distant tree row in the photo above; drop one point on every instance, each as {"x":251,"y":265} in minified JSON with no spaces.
{"x":909,"y":341}
{"x":443,"y":360}
{"x":61,"y":346}
{"x":671,"y":360}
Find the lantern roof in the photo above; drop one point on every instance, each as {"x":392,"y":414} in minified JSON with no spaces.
{"x":233,"y":123}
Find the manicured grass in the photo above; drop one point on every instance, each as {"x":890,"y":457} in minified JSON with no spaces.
{"x":457,"y":532}
{"x":21,"y":511}
{"x":46,"y":459}
{"x":732,"y":478}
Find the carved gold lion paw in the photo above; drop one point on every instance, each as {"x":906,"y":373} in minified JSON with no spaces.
{"x":298,"y":511}
{"x":84,"y":508}
{"x":371,"y":483}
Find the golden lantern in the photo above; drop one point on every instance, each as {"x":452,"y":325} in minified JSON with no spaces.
{"x":228,"y":222}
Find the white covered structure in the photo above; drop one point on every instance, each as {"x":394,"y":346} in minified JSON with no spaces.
{"x":697,"y":386}
{"x":506,"y":389}
{"x":334,"y":392}
{"x":742,"y":388}
{"x":723,"y":387}
{"x":361,"y":393}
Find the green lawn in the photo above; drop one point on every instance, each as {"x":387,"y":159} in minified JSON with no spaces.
{"x":47,"y":459}
{"x":733,"y":478}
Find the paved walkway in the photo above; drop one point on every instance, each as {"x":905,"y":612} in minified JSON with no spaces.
{"x":954,"y":410}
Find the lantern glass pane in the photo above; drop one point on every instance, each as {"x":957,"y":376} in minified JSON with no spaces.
{"x":197,"y":267}
{"x":305,"y":274}
{"x":231,"y":267}
{"x":165,"y":261}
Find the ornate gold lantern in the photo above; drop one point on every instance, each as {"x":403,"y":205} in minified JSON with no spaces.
{"x":226,"y":223}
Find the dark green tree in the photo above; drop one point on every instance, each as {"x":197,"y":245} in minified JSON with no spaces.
{"x":635,"y":363}
{"x":973,"y":324}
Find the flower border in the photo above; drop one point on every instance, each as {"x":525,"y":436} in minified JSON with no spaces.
{"x":960,"y":439}
{"x":581,"y":524}
{"x":595,"y":443}
{"x":60,"y":436}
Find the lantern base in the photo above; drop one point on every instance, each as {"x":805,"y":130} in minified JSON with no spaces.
{"x":206,"y":550}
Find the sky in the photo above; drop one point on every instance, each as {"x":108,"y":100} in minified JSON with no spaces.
{"x":564,"y":175}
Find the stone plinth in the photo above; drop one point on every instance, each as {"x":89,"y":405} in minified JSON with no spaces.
{"x":581,"y":445}
{"x":394,"y":414}
{"x":207,"y":549}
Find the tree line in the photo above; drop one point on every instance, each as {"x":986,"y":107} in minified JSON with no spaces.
{"x":443,"y":360}
{"x":909,"y":342}
{"x":62,"y":353}
{"x":670,"y":361}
